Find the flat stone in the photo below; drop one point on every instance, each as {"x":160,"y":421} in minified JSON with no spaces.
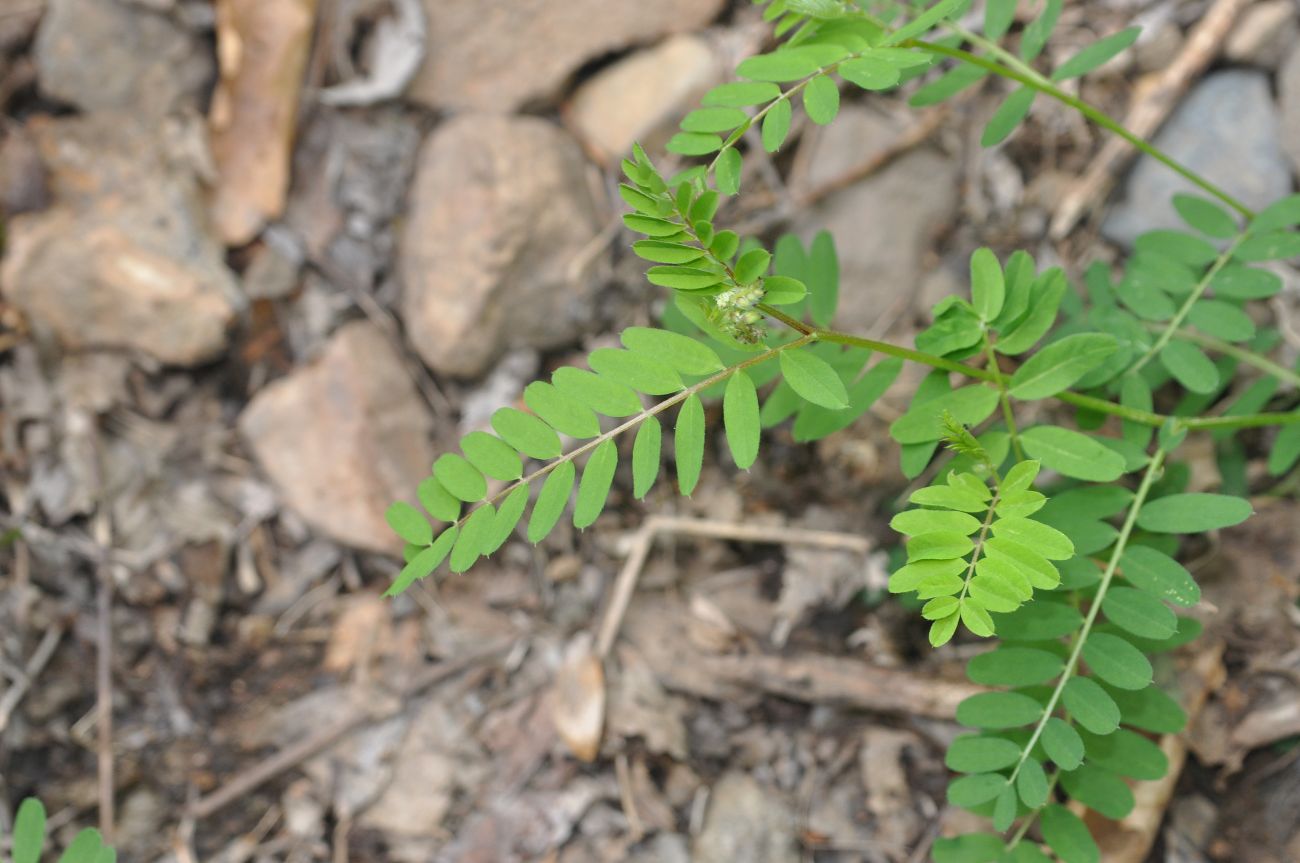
{"x":641,"y":97}
{"x":1288,"y":89}
{"x":1264,"y":34}
{"x":122,"y":259}
{"x":1227,"y":130}
{"x":746,"y":821}
{"x":110,"y":54}
{"x":883,"y":227}
{"x":499,"y":213}
{"x":498,"y":55}
{"x":343,"y":437}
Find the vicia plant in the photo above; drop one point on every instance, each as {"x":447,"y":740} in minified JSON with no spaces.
{"x":29,"y":839}
{"x":1061,"y":536}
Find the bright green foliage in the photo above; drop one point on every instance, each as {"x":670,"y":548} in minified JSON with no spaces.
{"x":29,"y":838}
{"x":1036,"y":532}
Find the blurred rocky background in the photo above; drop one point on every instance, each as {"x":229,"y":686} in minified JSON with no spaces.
{"x":264,"y":259}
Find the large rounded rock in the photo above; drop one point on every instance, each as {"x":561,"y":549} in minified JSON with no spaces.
{"x":498,"y":55}
{"x":343,"y":437}
{"x":499,"y":214}
{"x":122,"y":260}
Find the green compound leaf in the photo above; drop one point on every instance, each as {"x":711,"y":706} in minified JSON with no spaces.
{"x":1193,"y":513}
{"x":525,"y":432}
{"x":688,"y":441}
{"x":551,"y":501}
{"x":606,"y":397}
{"x":821,"y":99}
{"x":1090,"y":705}
{"x":1031,"y":783}
{"x":29,"y":831}
{"x":561,"y":411}
{"x":1099,"y":790}
{"x":988,"y":287}
{"x":1159,"y":575}
{"x":473,"y":538}
{"x":740,"y":419}
{"x":1205,"y":216}
{"x":813,"y":379}
{"x":971,"y":791}
{"x":1139,"y":613}
{"x":461,"y":478}
{"x":492,"y":456}
{"x":1190,"y":366}
{"x":998,"y":710}
{"x":1127,"y":753}
{"x":683,"y":353}
{"x":425,"y":562}
{"x":594,"y":488}
{"x":776,"y":125}
{"x":1060,"y":364}
{"x":635,"y":370}
{"x":1062,"y":743}
{"x":409,"y":523}
{"x":973,"y":753}
{"x":1073,"y":454}
{"x":1117,"y":662}
{"x":645,"y":456}
{"x":1067,"y":836}
{"x":508,"y":515}
{"x":969,"y":406}
{"x":1096,"y":54}
{"x":1014,"y":666}
{"x":1009,"y":115}
{"x":741,"y":94}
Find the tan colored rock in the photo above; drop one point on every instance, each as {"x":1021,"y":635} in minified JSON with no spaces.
{"x":500,"y":212}
{"x":497,"y":55}
{"x":343,"y":437}
{"x":1288,"y":90}
{"x":883,"y":226}
{"x":641,"y":97}
{"x":111,"y":54}
{"x":1264,"y":33}
{"x":122,"y":259}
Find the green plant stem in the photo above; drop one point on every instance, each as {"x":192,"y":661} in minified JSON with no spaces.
{"x":1081,"y":400}
{"x":1033,"y":816}
{"x":1008,"y":416}
{"x":989,"y":517}
{"x":1081,"y":637}
{"x":662,"y":406}
{"x":1181,"y":315}
{"x":1249,"y":357}
{"x":1036,"y":81}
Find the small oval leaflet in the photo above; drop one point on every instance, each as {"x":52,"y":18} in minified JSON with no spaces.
{"x":551,"y":501}
{"x":593,"y":490}
{"x":1090,"y":705}
{"x":740,"y":419}
{"x":998,"y":710}
{"x":1193,"y":513}
{"x":813,"y":379}
{"x":973,"y":753}
{"x":460,"y":477}
{"x":409,"y":523}
{"x":526,"y":433}
{"x":1116,"y":661}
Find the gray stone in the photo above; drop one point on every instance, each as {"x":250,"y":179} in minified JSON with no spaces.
{"x":746,"y":821}
{"x":882,"y":228}
{"x":641,"y":97}
{"x":1288,"y":88}
{"x":122,"y":259}
{"x":115,"y":55}
{"x":1227,"y":130}
{"x":498,"y":55}
{"x":499,"y":214}
{"x":343,"y":437}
